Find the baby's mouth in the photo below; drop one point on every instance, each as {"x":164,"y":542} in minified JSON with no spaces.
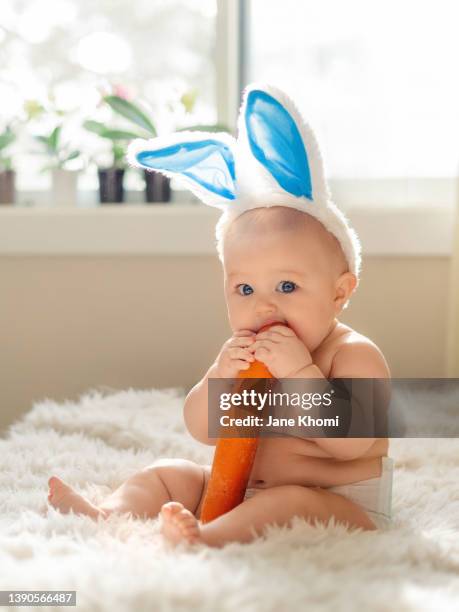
{"x":270,"y":323}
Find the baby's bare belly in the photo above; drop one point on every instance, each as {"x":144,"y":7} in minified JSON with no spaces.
{"x":281,"y":461}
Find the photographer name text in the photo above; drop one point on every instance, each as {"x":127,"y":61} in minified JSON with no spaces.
{"x":305,"y":420}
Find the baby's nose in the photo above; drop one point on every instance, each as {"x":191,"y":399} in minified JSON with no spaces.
{"x":264,"y":307}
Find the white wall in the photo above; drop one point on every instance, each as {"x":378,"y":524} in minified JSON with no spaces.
{"x":68,"y":324}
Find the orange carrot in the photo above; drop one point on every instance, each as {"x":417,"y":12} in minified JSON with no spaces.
{"x":233,"y":461}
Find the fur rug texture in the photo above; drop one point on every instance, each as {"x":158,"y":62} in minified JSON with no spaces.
{"x":122,"y":564}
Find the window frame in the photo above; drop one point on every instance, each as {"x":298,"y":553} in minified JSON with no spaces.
{"x":230,"y":52}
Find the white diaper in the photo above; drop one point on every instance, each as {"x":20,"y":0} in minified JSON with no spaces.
{"x":374,"y":495}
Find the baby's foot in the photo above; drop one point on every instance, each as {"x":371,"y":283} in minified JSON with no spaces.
{"x":179,"y":524}
{"x":64,"y":498}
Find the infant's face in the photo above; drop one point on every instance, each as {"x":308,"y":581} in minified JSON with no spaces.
{"x":283,"y":275}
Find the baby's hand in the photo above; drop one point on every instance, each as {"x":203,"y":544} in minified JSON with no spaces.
{"x":235,"y":355}
{"x":281,"y":351}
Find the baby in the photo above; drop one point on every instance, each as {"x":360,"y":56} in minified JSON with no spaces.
{"x":282,"y":264}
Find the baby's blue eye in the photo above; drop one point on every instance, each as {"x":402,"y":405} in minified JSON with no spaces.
{"x":288,"y":286}
{"x":246,"y":289}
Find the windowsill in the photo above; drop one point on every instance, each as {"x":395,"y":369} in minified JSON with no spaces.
{"x":189,"y":229}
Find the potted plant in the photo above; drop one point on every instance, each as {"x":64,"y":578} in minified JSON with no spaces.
{"x":64,"y":179}
{"x":111,"y":179}
{"x":157,"y":186}
{"x":7,"y":174}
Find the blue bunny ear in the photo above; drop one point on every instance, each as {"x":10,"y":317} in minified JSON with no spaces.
{"x":274,"y":133}
{"x":203,"y":161}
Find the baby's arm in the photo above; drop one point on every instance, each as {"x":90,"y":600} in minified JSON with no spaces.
{"x":195,"y":412}
{"x":233,"y":357}
{"x":354,"y":360}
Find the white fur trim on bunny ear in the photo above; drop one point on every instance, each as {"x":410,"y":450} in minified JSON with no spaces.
{"x":276,"y":161}
{"x":279,"y":163}
{"x":203,"y":161}
{"x":331,"y":217}
{"x":277,"y":132}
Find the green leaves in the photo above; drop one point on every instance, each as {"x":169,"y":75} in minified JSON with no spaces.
{"x":72,"y":155}
{"x":117,"y":136}
{"x":95,"y":126}
{"x":54,"y":138}
{"x":131,"y":112}
{"x":118,"y":154}
{"x":6,"y":138}
{"x":51,"y":142}
{"x":139,"y":118}
{"x":216,"y":127}
{"x":59,"y":153}
{"x":104,"y":132}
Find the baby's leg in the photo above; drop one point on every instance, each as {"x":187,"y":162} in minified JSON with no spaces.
{"x":142,"y":494}
{"x":275,"y":505}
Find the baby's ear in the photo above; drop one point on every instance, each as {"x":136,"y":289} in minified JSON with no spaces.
{"x":346,"y":284}
{"x":203,"y":161}
{"x":272,"y":131}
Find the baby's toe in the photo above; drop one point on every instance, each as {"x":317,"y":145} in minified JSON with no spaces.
{"x":53,"y":481}
{"x":54,"y":484}
{"x":189,"y":524}
{"x":170,"y":509}
{"x":187,"y":518}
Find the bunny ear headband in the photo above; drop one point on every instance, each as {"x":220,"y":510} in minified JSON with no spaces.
{"x":275,"y":161}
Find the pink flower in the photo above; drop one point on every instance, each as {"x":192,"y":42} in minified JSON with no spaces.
{"x":121,"y":92}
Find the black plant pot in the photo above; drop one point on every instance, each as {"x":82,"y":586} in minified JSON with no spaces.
{"x":7,"y":183}
{"x":111,"y":185}
{"x":157,"y":187}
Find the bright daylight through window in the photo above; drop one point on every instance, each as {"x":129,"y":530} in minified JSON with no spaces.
{"x":58,"y":57}
{"x":377,"y":80}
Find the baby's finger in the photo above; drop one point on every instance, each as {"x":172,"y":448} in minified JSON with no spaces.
{"x":242,"y":341}
{"x":261,"y":344}
{"x":270,"y":335}
{"x":240,"y":353}
{"x":243,"y":332}
{"x":263,"y":347}
{"x":240,"y":365}
{"x":283,"y":330}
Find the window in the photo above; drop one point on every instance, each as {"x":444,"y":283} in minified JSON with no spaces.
{"x":62,"y":53}
{"x":377,"y":81}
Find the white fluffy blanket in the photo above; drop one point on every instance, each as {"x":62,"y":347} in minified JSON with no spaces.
{"x":118,"y":565}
